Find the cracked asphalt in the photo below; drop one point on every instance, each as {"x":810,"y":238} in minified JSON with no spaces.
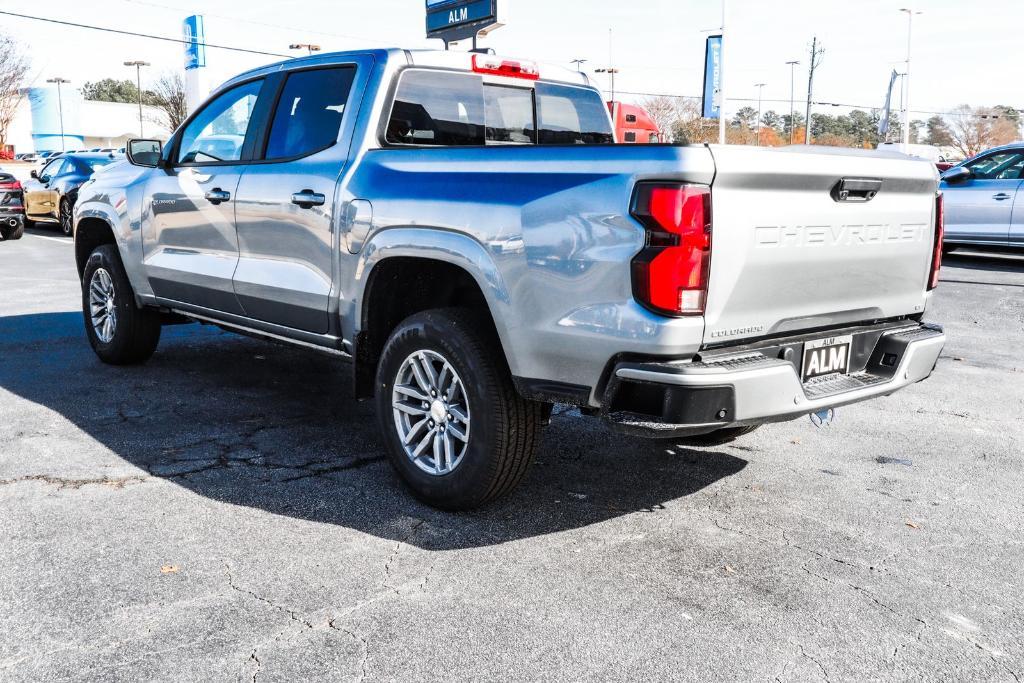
{"x":225,"y":513}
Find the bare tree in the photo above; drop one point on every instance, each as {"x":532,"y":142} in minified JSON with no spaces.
{"x":974,"y":130}
{"x":14,"y":66}
{"x":168,"y":95}
{"x":680,"y":119}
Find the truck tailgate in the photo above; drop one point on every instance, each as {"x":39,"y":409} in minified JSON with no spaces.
{"x":790,"y":253}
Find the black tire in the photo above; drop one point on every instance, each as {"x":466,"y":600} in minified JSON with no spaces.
{"x":505,"y":427}
{"x":718,"y":437}
{"x":67,"y":219}
{"x":136,"y":332}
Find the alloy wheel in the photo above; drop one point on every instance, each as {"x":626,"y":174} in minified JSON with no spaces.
{"x":102,"y":305}
{"x":431,"y":412}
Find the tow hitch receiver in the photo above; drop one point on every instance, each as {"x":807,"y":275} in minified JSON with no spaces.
{"x":823,"y":418}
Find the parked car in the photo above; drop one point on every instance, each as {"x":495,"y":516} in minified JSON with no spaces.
{"x":984,"y":202}
{"x":50,"y":195}
{"x":468,"y":235}
{"x":12,"y":208}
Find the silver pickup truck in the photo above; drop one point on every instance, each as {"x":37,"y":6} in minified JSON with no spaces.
{"x":463,"y":229}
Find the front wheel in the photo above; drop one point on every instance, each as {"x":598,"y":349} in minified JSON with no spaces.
{"x":456,"y":430}
{"x":119,"y":331}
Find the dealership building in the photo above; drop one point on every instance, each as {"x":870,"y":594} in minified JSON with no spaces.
{"x":44,"y":115}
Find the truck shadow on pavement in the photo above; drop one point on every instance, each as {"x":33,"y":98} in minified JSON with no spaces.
{"x":275,"y":428}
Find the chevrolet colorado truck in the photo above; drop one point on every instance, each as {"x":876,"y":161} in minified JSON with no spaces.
{"x":462,"y":229}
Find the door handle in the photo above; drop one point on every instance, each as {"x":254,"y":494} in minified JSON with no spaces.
{"x":217,"y":195}
{"x":1000,"y":197}
{"x":307,"y":199}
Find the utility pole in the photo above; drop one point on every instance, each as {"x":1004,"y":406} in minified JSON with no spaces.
{"x":906,"y":78}
{"x":721,"y":82}
{"x":792,"y":100}
{"x":611,"y":71}
{"x":309,"y":47}
{"x":579,"y":64}
{"x":138,"y":84}
{"x":816,"y":53}
{"x":760,"y":89}
{"x":60,"y":107}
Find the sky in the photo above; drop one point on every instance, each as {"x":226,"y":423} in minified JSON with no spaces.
{"x":962,"y":51}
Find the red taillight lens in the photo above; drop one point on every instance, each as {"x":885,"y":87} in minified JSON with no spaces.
{"x":670,"y":275}
{"x":940,"y":231}
{"x":496,"y":66}
{"x":16,"y":185}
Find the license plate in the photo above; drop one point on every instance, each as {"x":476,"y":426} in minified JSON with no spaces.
{"x":829,"y":356}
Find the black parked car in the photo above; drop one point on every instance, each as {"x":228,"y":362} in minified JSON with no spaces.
{"x":50,"y":195}
{"x":12,"y":208}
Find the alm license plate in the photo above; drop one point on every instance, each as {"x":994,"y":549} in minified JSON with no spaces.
{"x":829,"y":356}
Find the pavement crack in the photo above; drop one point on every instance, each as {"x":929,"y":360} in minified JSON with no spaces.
{"x":398,"y":549}
{"x":360,"y":640}
{"x":821,"y":667}
{"x":116,"y":483}
{"x":254,"y":658}
{"x":292,"y":614}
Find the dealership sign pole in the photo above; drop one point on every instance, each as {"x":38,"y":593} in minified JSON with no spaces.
{"x":195,"y":61}
{"x":455,"y":20}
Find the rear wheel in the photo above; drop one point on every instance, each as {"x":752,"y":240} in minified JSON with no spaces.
{"x":67,"y":225}
{"x":119,"y":331}
{"x":456,"y":430}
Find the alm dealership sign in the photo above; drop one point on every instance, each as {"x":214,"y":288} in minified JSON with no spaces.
{"x":452,"y":20}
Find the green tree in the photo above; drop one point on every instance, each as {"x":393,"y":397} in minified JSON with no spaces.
{"x":114,"y":90}
{"x":771,"y":119}
{"x":745,"y":118}
{"x":938,"y":132}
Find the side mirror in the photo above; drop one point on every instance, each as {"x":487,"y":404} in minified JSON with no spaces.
{"x":35,"y":174}
{"x":957,"y":174}
{"x":146,"y":153}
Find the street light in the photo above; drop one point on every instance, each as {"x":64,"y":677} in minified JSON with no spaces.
{"x":906,"y":79}
{"x":60,"y":107}
{"x":611,"y":71}
{"x":579,"y":64}
{"x":760,"y":89}
{"x":305,"y":46}
{"x":792,"y":100}
{"x":138,"y":84}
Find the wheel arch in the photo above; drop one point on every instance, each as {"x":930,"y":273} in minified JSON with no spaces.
{"x":432,"y":269}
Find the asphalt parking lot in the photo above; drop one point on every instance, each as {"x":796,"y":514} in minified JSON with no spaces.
{"x":225,"y":512}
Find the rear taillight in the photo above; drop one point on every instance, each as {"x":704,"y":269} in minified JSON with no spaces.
{"x":10,"y":186}
{"x":670,"y":275}
{"x":940,"y":230}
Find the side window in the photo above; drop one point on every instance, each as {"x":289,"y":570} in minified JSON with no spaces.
{"x":309,"y":113}
{"x":218,"y":132}
{"x":572,"y":116}
{"x":998,"y":166}
{"x":630,"y":137}
{"x":509,"y":115}
{"x":53,"y":169}
{"x":437,"y":108}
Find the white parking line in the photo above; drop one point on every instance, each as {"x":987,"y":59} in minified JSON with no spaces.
{"x":62,"y":240}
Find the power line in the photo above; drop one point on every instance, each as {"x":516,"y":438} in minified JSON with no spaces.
{"x":167,"y":39}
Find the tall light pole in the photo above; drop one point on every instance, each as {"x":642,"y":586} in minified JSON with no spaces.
{"x":792,"y":100}
{"x":906,"y":79}
{"x":60,"y":107}
{"x":138,"y":64}
{"x":611,"y":71}
{"x":309,"y":47}
{"x":579,"y":64}
{"x":760,"y":89}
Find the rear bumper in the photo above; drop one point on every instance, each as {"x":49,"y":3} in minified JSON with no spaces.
{"x":758,"y":385}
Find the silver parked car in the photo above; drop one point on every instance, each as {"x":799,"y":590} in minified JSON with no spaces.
{"x":980,"y":196}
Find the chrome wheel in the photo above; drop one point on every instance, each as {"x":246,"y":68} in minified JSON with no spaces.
{"x":431,"y":412}
{"x":102,"y":305}
{"x":66,"y":219}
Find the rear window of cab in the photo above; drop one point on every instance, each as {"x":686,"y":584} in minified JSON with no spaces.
{"x":447,"y":109}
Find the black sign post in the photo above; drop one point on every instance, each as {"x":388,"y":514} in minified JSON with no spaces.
{"x":455,"y":20}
